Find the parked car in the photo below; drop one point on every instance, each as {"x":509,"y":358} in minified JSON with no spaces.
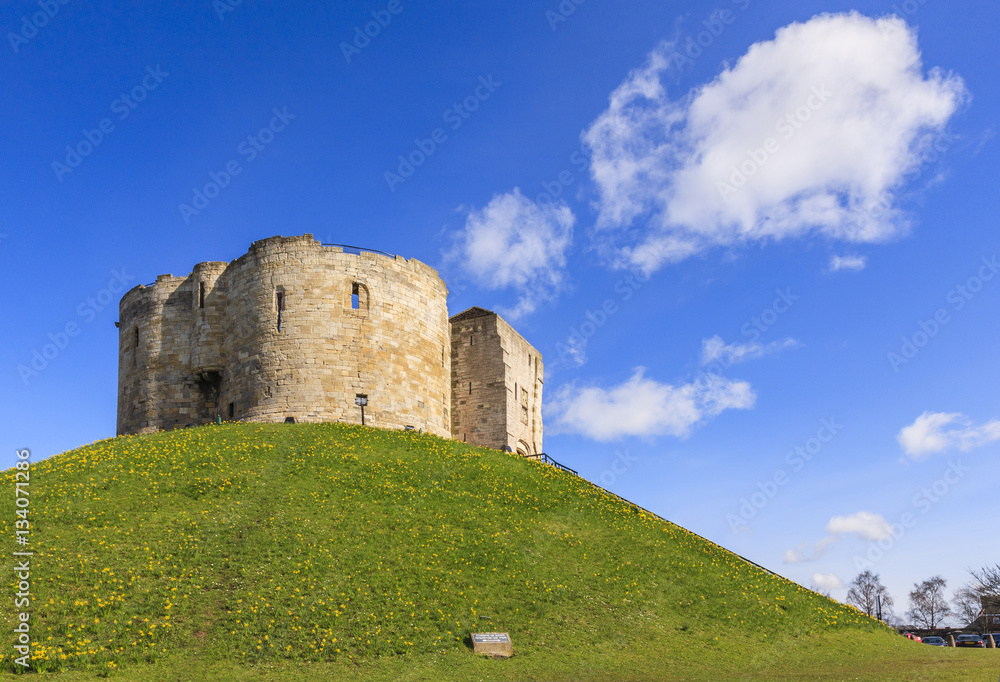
{"x":995,"y":636}
{"x":934,"y":641}
{"x":910,"y":635}
{"x":970,"y":640}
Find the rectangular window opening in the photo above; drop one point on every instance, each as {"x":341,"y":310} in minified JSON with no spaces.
{"x":281,"y":306}
{"x":355,"y":297}
{"x":136,"y":338}
{"x":470,"y":388}
{"x":201,"y":294}
{"x":232,"y":410}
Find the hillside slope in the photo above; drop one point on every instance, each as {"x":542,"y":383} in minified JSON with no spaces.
{"x":342,"y":548}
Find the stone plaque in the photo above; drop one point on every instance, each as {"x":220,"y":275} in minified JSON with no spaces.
{"x":496,"y":644}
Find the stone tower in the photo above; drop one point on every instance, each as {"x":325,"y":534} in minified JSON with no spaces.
{"x":297,"y":329}
{"x":496,"y":384}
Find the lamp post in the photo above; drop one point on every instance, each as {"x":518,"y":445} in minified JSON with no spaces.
{"x":361,"y":401}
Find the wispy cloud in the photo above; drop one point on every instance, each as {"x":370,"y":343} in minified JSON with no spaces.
{"x":515,"y":243}
{"x":717,"y":350}
{"x":645,"y":407}
{"x":935,"y":432}
{"x":863,"y":524}
{"x":849,"y":262}
{"x":854,"y":111}
{"x":804,"y":553}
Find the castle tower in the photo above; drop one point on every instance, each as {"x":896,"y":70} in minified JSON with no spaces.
{"x":496,"y":384}
{"x":290,"y":329}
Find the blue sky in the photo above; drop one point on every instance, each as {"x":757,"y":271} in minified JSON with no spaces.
{"x":733,"y":230}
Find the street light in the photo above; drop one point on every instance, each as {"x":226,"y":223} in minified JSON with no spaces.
{"x":361,"y":400}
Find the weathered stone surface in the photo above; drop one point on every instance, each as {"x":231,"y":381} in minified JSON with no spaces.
{"x":496,"y":385}
{"x":495,"y":644}
{"x":194,"y":348}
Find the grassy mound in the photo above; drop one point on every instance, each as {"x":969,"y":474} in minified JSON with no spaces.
{"x":321,"y":551}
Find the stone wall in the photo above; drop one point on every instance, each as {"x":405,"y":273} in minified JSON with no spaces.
{"x":496,"y":384}
{"x":479,"y":409}
{"x":210,"y":342}
{"x":296,"y":329}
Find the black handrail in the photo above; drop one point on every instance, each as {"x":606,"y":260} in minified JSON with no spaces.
{"x":548,"y":460}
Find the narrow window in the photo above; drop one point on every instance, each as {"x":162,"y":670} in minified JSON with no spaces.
{"x":355,"y":296}
{"x":137,"y":337}
{"x":442,"y":356}
{"x":232,"y":410}
{"x":281,"y":307}
{"x":201,"y":294}
{"x":470,"y":388}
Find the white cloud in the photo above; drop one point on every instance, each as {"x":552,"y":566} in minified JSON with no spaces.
{"x":515,"y":243}
{"x":717,"y":350}
{"x":645,"y":407}
{"x":849,"y":262}
{"x":827,"y":581}
{"x":803,"y":553}
{"x":861,"y":111}
{"x":864,"y":524}
{"x":930,"y":434}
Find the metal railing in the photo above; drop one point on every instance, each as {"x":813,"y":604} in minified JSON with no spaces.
{"x":548,"y":460}
{"x":545,"y":459}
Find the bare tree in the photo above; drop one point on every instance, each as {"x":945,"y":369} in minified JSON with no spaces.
{"x":864,"y":592}
{"x":967,"y":603}
{"x":928,"y":606}
{"x":987,"y":579}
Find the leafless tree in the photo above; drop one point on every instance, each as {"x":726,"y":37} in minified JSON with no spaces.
{"x":928,"y":606}
{"x":967,"y":604}
{"x":987,"y":579}
{"x":864,"y":591}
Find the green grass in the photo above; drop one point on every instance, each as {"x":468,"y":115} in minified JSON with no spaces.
{"x":315,"y":552}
